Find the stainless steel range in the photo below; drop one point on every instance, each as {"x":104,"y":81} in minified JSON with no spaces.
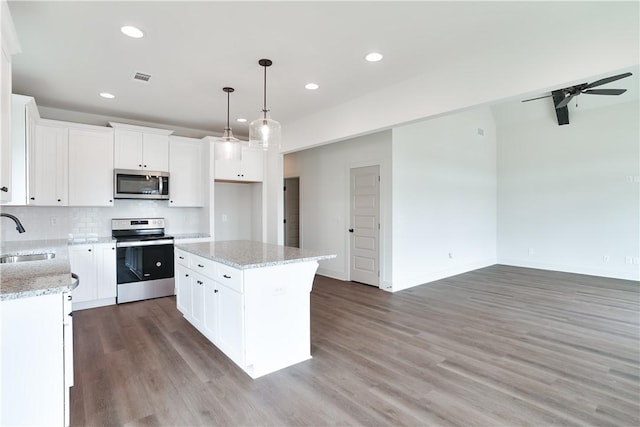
{"x":144,"y":259}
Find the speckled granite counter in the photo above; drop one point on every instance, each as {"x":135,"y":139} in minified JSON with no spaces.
{"x":33,"y":278}
{"x":244,"y":254}
{"x":189,"y":236}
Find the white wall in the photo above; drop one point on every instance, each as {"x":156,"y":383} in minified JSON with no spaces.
{"x":563,"y":192}
{"x":444,"y":197}
{"x":45,"y":223}
{"x":324,"y":193}
{"x":238,"y":211}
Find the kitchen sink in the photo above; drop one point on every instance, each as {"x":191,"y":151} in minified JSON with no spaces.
{"x":4,"y":259}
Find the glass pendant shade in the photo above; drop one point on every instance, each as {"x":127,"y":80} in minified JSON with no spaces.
{"x":265,"y":133}
{"x":227,"y":147}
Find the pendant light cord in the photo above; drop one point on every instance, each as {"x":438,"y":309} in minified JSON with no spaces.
{"x":228,"y":100}
{"x":264,"y":110}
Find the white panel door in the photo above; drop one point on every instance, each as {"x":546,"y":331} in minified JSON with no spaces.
{"x":155,"y":152}
{"x":128,"y":149}
{"x":82,"y":260}
{"x":48,"y":166}
{"x":107,"y":286}
{"x":187,"y":181}
{"x":365,"y":225}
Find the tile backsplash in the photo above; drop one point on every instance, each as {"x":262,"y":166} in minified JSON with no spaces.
{"x":47,"y":223}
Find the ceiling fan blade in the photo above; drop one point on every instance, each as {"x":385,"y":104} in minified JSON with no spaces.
{"x":565,"y":101}
{"x":607,"y":80}
{"x":605,"y":91}
{"x":540,"y":97}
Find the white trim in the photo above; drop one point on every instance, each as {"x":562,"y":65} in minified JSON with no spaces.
{"x":10,"y":42}
{"x":565,"y":268}
{"x":136,"y":128}
{"x":334,"y":274}
{"x":410,"y":282}
{"x":83,"y":305}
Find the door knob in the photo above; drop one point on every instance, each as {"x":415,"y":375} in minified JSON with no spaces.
{"x":351,"y":230}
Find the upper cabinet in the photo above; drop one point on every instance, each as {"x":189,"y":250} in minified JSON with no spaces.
{"x":250,"y":167}
{"x":10,"y":47}
{"x":90,"y":166}
{"x":24,"y":116}
{"x":141,"y":148}
{"x":185,"y":171}
{"x":48,"y":164}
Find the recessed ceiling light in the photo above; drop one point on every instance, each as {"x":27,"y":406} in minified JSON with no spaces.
{"x":130,"y":31}
{"x":107,"y":95}
{"x":373,"y":57}
{"x":311,"y":86}
{"x":241,"y":120}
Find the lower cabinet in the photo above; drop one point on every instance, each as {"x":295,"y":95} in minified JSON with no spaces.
{"x":95,"y":265}
{"x":37,"y":368}
{"x":259,"y":318}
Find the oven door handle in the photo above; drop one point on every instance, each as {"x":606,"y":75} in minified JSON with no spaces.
{"x":144,"y":243}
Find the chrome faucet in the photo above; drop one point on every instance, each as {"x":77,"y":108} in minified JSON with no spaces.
{"x":15,"y":219}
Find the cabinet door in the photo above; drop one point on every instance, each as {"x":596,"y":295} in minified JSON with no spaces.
{"x":231,"y":323}
{"x":107,"y":286}
{"x":197,"y":298}
{"x":211,"y":310}
{"x":5,"y":126}
{"x":183,"y":290}
{"x":128,"y":149}
{"x":48,"y":171}
{"x":90,"y":167}
{"x":155,"y":152}
{"x":185,"y":160}
{"x":228,"y":170}
{"x":252,"y":165}
{"x":82,"y":259}
{"x":32,"y":374}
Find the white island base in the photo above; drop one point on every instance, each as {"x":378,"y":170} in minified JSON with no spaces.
{"x":259,"y":316}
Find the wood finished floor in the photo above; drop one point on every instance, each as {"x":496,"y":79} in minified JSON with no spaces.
{"x":500,"y":346}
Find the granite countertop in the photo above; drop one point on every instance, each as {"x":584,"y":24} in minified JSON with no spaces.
{"x":244,"y":254}
{"x":34,"y":278}
{"x":190,"y":236}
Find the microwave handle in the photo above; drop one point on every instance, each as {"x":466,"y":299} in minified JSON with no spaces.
{"x":160,"y":181}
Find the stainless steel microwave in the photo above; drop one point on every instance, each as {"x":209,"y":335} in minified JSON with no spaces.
{"x":140,"y":184}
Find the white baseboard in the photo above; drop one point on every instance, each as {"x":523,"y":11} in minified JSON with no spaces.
{"x":591,"y":271}
{"x":432,"y":276}
{"x":93,"y":303}
{"x":333,"y":274}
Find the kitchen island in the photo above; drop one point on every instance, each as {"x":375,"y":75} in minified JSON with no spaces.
{"x":250,"y":299}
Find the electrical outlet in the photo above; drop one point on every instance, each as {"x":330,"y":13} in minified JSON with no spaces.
{"x":531,"y":251}
{"x":636,"y":260}
{"x":54,"y":220}
{"x":629,"y":179}
{"x":628,"y":260}
{"x":224,"y":217}
{"x":605,"y":258}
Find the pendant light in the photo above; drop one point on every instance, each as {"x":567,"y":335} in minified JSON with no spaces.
{"x":227,"y":147}
{"x":264,"y":132}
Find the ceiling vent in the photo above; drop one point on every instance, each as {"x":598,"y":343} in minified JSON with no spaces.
{"x":141,"y":77}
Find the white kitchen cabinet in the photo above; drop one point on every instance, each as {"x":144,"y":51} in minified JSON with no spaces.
{"x":258,"y":317}
{"x":95,"y":265}
{"x":184,"y":300}
{"x":90,"y":166}
{"x":10,"y":46}
{"x":24,"y":115}
{"x":141,"y":148}
{"x":250,"y":168}
{"x":185,"y":171}
{"x":48,"y":164}
{"x":37,"y":360}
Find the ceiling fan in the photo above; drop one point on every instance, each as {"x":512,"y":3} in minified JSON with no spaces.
{"x":568,"y":93}
{"x":562,"y":97}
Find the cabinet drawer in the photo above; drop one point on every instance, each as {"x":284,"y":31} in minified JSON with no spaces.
{"x":182,"y":257}
{"x":202,"y":266}
{"x":229,"y":277}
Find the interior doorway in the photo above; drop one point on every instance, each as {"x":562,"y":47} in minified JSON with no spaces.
{"x":364,"y":230}
{"x":292,"y":212}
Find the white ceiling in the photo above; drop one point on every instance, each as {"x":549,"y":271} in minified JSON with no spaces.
{"x":71,"y":51}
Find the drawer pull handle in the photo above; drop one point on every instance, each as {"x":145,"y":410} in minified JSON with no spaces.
{"x":200,"y":265}
{"x":215,"y":291}
{"x":199,"y":282}
{"x":181,"y":257}
{"x":69,"y":297}
{"x":186,"y":275}
{"x":226,"y":276}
